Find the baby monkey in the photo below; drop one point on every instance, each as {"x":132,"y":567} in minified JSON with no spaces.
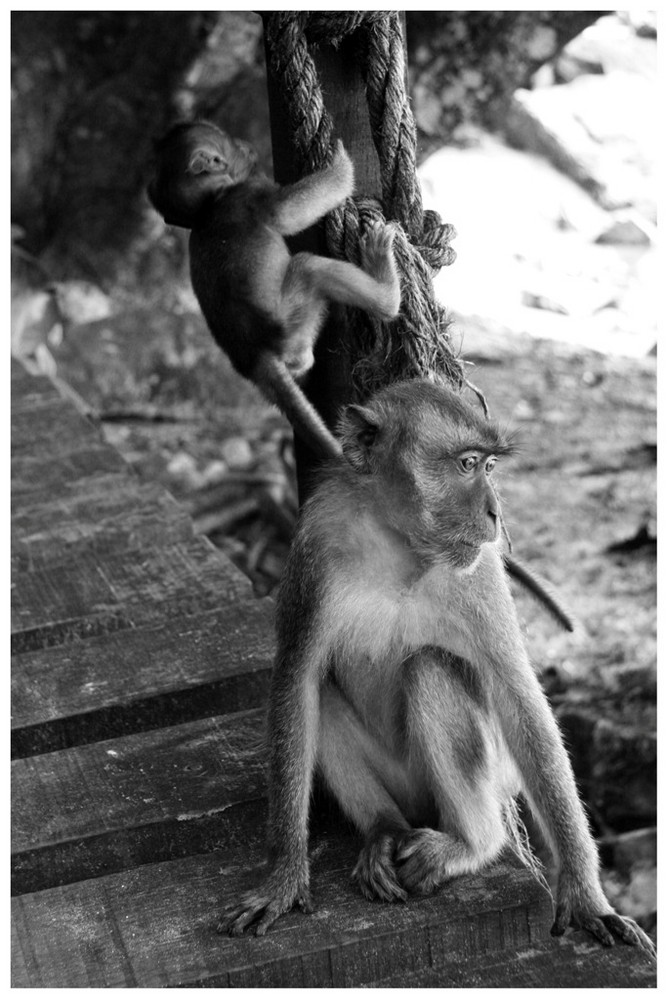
{"x":402,"y":678}
{"x":265,"y":307}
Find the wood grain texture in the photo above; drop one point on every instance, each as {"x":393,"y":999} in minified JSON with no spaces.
{"x":105,"y":521}
{"x":142,"y":678}
{"x":155,"y":926}
{"x":119,"y":803}
{"x":91,"y":596}
{"x":571,"y":962}
{"x":50,"y":427}
{"x":63,"y":475}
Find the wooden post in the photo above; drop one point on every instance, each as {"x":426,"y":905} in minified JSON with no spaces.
{"x":329,"y":385}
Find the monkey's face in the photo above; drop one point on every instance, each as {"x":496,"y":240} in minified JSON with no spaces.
{"x":192,"y":162}
{"x":215,"y":158}
{"x":430,"y":456}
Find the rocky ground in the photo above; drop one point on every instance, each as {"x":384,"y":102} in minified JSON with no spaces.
{"x":553,"y":296}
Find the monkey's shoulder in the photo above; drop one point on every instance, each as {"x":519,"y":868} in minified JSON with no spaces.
{"x":243,"y":208}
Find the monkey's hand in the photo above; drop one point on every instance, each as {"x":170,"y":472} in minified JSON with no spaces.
{"x":281,"y":890}
{"x":342,"y":171}
{"x":591,"y":912}
{"x":374,"y":872}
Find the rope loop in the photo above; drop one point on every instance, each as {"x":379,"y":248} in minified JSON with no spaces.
{"x":417,"y":342}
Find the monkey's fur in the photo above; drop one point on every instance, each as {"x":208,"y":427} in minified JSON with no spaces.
{"x":264,"y":307}
{"x":401,"y":675}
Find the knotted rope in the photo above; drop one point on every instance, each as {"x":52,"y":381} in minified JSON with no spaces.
{"x":416,"y":343}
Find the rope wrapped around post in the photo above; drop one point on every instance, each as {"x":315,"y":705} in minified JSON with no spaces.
{"x":417,"y":342}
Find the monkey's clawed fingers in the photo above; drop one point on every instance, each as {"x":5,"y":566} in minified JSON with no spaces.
{"x":377,"y":241}
{"x":260,"y":910}
{"x":629,"y":932}
{"x":604,"y":927}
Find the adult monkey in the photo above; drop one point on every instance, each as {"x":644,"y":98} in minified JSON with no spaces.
{"x":401,"y":674}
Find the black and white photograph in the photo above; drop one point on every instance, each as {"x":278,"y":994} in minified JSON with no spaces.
{"x":334,"y":366}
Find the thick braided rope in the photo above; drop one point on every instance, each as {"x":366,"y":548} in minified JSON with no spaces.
{"x":416,"y":343}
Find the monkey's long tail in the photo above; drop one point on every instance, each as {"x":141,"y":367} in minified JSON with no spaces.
{"x":302,"y":415}
{"x":541,"y":591}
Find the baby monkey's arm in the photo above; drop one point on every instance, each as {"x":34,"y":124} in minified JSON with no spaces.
{"x":300,"y":205}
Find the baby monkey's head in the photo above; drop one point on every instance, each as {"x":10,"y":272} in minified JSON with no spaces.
{"x":428,"y":456}
{"x":193,"y":161}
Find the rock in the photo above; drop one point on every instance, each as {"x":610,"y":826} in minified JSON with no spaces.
{"x":626,"y":851}
{"x":182,"y":467}
{"x":567,"y":294}
{"x":81,"y":302}
{"x":569,"y":66}
{"x":612,"y":43}
{"x":34,"y":320}
{"x":615,"y":763}
{"x":644,"y":22}
{"x":237,"y":453}
{"x":629,"y":230}
{"x":630,"y":875}
{"x":599,"y":130}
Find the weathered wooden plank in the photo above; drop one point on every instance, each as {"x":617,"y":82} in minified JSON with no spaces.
{"x":89,"y":596}
{"x":119,"y":803}
{"x":131,"y":516}
{"x":571,"y":962}
{"x":63,"y":475}
{"x":208,"y":664}
{"x":50,"y":427}
{"x":155,"y":926}
{"x":25,"y":385}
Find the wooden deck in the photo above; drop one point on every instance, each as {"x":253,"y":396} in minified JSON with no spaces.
{"x":140,"y":664}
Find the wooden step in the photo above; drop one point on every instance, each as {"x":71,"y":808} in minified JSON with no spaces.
{"x":140,"y":812}
{"x":90,"y":595}
{"x":118,"y":803}
{"x":154,"y":926}
{"x":210,"y":663}
{"x":571,"y":962}
{"x":131,"y":516}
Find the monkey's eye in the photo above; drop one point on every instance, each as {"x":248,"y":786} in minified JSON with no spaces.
{"x":491,"y":463}
{"x":367,"y":437}
{"x":468,"y":462}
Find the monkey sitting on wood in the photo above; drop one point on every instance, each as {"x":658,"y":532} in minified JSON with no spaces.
{"x":265,"y":307}
{"x":401,"y":675}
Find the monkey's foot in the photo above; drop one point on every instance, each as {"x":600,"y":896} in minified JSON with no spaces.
{"x":605,"y":926}
{"x":262,"y":907}
{"x":375,"y":247}
{"x":421,"y":860}
{"x":377,"y":260}
{"x":374,"y":872}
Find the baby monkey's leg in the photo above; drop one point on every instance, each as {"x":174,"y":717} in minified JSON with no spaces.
{"x":369,"y":797}
{"x":452,"y":741}
{"x":301,"y":310}
{"x":375,"y":289}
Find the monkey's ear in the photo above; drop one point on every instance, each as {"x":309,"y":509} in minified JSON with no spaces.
{"x":243,"y":161}
{"x":359,"y":429}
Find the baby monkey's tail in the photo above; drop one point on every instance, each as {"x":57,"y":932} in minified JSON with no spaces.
{"x":277,"y":381}
{"x":541,"y":591}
